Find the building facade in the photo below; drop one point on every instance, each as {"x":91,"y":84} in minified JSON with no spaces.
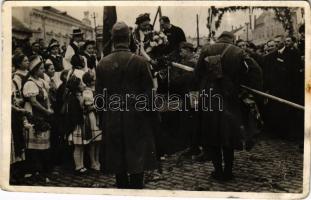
{"x":48,"y":22}
{"x":267,"y":27}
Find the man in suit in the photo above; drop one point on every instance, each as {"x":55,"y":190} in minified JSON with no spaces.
{"x":297,"y":96}
{"x":73,"y":47}
{"x":129,"y":146}
{"x":279,"y":81}
{"x":175,"y":35}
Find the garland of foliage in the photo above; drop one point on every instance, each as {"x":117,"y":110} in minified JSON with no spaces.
{"x":282,"y":14}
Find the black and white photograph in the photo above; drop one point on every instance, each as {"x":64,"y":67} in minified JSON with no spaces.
{"x":156,"y":96}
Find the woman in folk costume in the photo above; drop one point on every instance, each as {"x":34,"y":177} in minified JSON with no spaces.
{"x":89,"y":55}
{"x":74,"y":47}
{"x":21,"y":63}
{"x":91,"y":121}
{"x":56,"y":59}
{"x":75,"y":122}
{"x":37,"y":124}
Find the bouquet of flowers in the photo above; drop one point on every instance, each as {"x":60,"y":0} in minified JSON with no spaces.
{"x":156,"y":41}
{"x":39,"y":124}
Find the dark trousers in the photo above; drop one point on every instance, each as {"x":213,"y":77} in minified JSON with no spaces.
{"x":220,"y":154}
{"x":17,"y":172}
{"x":58,"y":143}
{"x":190,"y":126}
{"x":38,"y":161}
{"x":132,"y":181}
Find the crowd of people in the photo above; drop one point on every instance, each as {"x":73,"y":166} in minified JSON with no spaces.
{"x":55,"y":122}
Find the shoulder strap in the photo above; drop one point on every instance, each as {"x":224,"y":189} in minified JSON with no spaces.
{"x":15,"y":84}
{"x":225,"y":51}
{"x":19,"y":75}
{"x":39,"y":87}
{"x":131,"y":58}
{"x":127,"y":64}
{"x":36,"y":84}
{"x":14,"y":81}
{"x":70,"y":75}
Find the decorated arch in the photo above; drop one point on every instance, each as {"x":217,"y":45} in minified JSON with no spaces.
{"x":215,"y":14}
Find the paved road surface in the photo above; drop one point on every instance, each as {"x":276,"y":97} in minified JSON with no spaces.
{"x":271,"y":166}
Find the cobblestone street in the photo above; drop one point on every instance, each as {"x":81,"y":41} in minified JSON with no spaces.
{"x":271,"y":166}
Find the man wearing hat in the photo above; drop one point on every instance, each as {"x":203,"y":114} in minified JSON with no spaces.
{"x":35,"y":49}
{"x":221,"y":68}
{"x":43,"y":50}
{"x":129,"y":147}
{"x":74,"y":46}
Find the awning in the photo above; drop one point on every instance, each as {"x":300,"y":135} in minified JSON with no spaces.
{"x":19,"y":29}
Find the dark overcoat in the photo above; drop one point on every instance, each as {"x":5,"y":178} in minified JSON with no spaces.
{"x":280,"y":72}
{"x":221,"y":124}
{"x":128,"y":135}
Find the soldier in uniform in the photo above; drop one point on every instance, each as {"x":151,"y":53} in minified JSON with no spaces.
{"x":221,"y":123}
{"x":129,"y":146}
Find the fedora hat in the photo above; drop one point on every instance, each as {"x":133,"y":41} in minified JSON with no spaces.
{"x":77,"y":32}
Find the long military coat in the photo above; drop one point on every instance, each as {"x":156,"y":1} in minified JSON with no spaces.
{"x":128,"y":135}
{"x":220,"y":125}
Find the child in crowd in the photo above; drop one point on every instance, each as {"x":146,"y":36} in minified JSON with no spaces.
{"x":75,"y":122}
{"x":91,"y":120}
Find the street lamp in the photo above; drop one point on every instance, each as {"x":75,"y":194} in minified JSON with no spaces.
{"x":94,"y":16}
{"x":246,"y":24}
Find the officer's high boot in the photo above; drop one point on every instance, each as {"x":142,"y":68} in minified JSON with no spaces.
{"x":228,"y":154}
{"x":217,"y":163}
{"x":122,"y":180}
{"x":137,"y":181}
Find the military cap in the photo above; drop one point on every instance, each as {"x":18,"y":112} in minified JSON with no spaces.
{"x":226,"y":34}
{"x":120,"y":29}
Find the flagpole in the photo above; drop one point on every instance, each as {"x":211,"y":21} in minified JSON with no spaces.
{"x":198,"y":33}
{"x":109,"y":19}
{"x":269,"y":96}
{"x":155,"y":18}
{"x":300,"y":107}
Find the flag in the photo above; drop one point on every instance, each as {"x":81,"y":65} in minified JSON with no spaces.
{"x":110,"y":18}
